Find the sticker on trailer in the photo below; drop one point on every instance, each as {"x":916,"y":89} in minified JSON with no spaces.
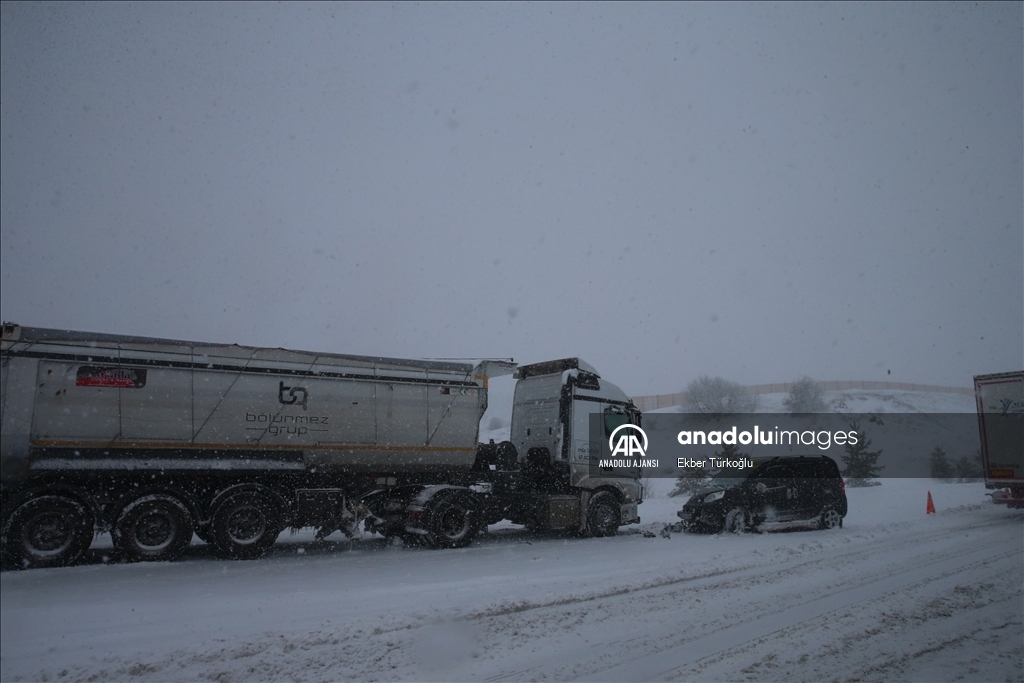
{"x":110,"y":378}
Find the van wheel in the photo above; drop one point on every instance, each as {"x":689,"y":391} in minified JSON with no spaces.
{"x":452,"y":523}
{"x":830,"y":519}
{"x":49,"y":531}
{"x":245,"y":525}
{"x":735,"y":521}
{"x":603,"y":514}
{"x":154,"y":528}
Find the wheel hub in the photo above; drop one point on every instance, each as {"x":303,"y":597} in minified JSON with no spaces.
{"x":453,"y":522}
{"x":48,"y":534}
{"x":155,"y":530}
{"x":246,"y":525}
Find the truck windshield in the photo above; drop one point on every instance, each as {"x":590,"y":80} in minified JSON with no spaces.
{"x":613,"y":421}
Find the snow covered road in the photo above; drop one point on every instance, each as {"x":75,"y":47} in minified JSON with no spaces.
{"x":895,"y":595}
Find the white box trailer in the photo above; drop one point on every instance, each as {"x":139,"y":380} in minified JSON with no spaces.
{"x":1000,"y":399}
{"x":155,"y":439}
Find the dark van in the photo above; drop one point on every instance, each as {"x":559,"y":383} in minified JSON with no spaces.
{"x":780,"y":489}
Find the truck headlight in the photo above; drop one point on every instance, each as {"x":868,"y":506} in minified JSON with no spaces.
{"x":712,"y":497}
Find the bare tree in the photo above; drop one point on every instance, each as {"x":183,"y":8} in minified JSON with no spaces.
{"x":806,"y":396}
{"x":715,"y":396}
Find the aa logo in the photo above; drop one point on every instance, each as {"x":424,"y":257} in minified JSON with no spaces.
{"x":627,"y":444}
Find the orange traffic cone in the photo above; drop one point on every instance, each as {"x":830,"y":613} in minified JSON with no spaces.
{"x":931,"y":506}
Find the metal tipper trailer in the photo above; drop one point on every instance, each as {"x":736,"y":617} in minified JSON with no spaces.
{"x":1000,"y":400}
{"x":155,"y":439}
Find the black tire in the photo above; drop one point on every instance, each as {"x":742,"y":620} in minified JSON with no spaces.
{"x":153,"y":528}
{"x":830,"y":519}
{"x":452,"y":523}
{"x":245,"y":525}
{"x":507,"y":457}
{"x":48,"y":531}
{"x":603,"y":514}
{"x":736,"y":521}
{"x":486,"y":454}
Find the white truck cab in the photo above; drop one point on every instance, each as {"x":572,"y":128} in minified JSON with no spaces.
{"x":553,"y":434}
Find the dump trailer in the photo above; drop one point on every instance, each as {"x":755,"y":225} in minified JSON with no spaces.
{"x":1000,"y":399}
{"x":154,"y":440}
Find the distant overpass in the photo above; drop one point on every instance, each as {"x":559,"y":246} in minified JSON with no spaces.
{"x":668,"y":400}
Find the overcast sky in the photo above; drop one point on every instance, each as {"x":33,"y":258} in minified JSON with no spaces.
{"x":752,"y":191}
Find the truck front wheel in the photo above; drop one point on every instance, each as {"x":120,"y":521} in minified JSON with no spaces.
{"x":452,"y":523}
{"x":154,"y":528}
{"x":245,"y":525}
{"x":49,"y":531}
{"x":603,"y":514}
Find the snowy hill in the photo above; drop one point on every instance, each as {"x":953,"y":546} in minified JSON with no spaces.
{"x":880,"y":401}
{"x":870,"y":401}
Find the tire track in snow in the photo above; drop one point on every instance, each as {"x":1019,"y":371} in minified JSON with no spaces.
{"x":661,"y":665}
{"x":879,"y":582}
{"x":900,"y":636}
{"x":731,"y":574}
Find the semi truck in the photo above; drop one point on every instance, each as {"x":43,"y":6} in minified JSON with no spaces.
{"x":1000,"y":400}
{"x":154,"y":440}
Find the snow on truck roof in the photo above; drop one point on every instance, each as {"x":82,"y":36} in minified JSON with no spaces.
{"x":16,"y":335}
{"x":552,"y":367}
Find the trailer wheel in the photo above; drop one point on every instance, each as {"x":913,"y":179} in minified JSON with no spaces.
{"x":153,"y":528}
{"x":49,"y":531}
{"x":452,"y":523}
{"x":245,"y":525}
{"x":603,"y":514}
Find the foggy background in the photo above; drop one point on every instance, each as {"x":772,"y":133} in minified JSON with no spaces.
{"x":752,"y":191}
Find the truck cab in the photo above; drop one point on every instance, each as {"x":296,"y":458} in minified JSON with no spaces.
{"x":561,"y":411}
